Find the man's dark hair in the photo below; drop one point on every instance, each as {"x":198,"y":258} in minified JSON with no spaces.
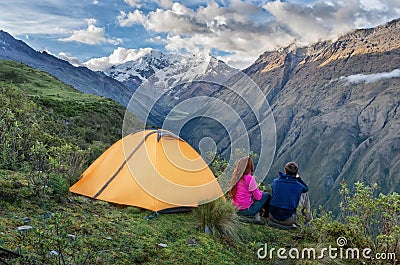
{"x":291,"y":168}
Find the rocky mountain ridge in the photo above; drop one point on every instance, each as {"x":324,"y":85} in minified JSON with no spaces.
{"x":338,"y":129}
{"x":360,"y":42}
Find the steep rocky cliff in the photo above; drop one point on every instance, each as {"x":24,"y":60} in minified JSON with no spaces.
{"x":336,"y":108}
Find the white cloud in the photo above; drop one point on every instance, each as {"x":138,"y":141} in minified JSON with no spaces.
{"x":244,"y":29}
{"x":20,"y":17}
{"x":372,"y":5}
{"x":178,"y":20}
{"x":230,"y":29}
{"x":165,"y":3}
{"x":370,"y":78}
{"x":135,"y":17}
{"x":73,"y":60}
{"x":134,"y":3}
{"x":299,"y":20}
{"x":92,"y":35}
{"x":119,"y":56}
{"x":330,"y":19}
{"x":161,"y":3}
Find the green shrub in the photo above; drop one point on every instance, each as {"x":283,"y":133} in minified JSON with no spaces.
{"x":95,"y":150}
{"x":367,"y":220}
{"x":59,"y":186}
{"x":49,"y":131}
{"x":67,"y":160}
{"x":327,"y":230}
{"x":9,"y":195}
{"x":373,"y":218}
{"x":9,"y":187}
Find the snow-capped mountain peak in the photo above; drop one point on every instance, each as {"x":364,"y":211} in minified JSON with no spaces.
{"x":133,"y":72}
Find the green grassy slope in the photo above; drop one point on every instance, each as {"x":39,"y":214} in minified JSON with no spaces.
{"x":82,"y":118}
{"x":107,"y":234}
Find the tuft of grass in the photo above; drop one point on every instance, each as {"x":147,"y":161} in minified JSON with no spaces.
{"x":220,"y":217}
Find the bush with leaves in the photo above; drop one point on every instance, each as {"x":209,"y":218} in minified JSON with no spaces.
{"x":367,"y":220}
{"x":374,"y":218}
{"x":31,"y":140}
{"x":17,"y":120}
{"x":67,"y":160}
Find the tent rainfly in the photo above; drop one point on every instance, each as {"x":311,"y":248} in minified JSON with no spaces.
{"x":151,"y":169}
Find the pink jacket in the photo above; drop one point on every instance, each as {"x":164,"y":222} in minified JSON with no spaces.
{"x":246,"y":192}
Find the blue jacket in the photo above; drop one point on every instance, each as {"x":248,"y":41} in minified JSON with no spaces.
{"x":286,"y":192}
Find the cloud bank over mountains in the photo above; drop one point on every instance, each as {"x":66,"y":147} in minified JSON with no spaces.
{"x":243,"y":30}
{"x":119,"y":56}
{"x":236,"y":31}
{"x":370,"y":78}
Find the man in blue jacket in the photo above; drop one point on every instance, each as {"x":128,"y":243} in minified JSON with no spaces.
{"x":288,"y":192}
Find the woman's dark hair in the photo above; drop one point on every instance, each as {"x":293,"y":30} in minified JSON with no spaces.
{"x":243,"y":167}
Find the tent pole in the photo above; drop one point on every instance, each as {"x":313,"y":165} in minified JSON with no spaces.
{"x":123,"y":164}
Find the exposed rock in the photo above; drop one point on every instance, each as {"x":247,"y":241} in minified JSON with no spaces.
{"x":72,"y":236}
{"x":192,"y":241}
{"x":24,"y":227}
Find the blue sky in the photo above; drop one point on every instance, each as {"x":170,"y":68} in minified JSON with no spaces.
{"x":91,"y":32}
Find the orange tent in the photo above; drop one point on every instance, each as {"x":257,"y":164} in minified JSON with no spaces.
{"x":151,"y":169}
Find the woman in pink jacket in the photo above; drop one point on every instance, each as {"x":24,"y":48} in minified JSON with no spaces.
{"x":245,"y":195}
